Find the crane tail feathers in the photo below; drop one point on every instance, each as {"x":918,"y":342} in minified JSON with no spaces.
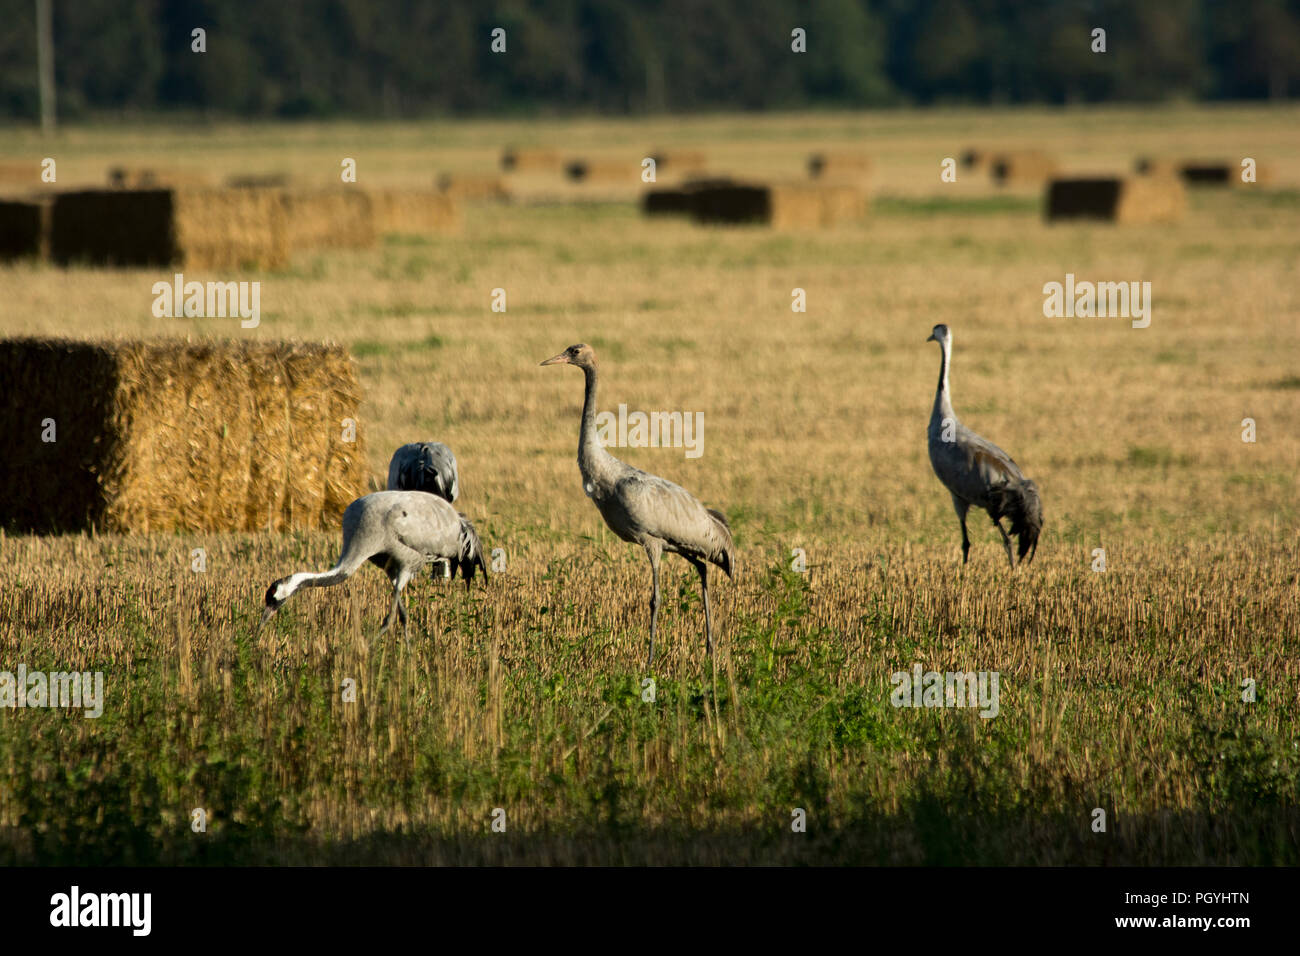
{"x":470,"y":558}
{"x":1020,"y":504}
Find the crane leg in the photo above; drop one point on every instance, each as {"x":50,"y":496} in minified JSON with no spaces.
{"x":961,"y":508}
{"x":1006,"y":540}
{"x":703,"y":570}
{"x":398,"y":609}
{"x":653,"y":551}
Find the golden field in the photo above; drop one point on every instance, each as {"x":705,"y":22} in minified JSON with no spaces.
{"x":1121,"y":689}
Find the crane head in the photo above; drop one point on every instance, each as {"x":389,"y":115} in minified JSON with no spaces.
{"x":938,"y":334}
{"x":276,"y":595}
{"x":579,"y":355}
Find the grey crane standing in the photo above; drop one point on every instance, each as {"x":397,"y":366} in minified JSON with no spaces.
{"x":977,"y":472}
{"x":426,"y":466}
{"x":645,"y":509}
{"x":400,"y":532}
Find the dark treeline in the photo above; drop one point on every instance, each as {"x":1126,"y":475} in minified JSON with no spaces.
{"x":400,"y":58}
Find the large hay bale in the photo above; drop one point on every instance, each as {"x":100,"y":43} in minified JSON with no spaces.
{"x":679,"y":200}
{"x":530,"y":160}
{"x":127,"y":177}
{"x":177,"y":436}
{"x":332,"y":217}
{"x":781,"y":205}
{"x":191,"y":228}
{"x":603,"y":171}
{"x":473,"y":187}
{"x":22,"y":228}
{"x":1022,"y":166}
{"x":413,"y":211}
{"x":842,"y":166}
{"x":1111,"y":199}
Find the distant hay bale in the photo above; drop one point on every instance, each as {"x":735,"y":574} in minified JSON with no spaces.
{"x":780,"y":205}
{"x":677,"y":162}
{"x":331,"y":217}
{"x":1201,"y":172}
{"x":22,"y":228}
{"x":127,"y":177}
{"x":840,"y":166}
{"x":530,"y":160}
{"x":1111,"y":199}
{"x":474,"y":187}
{"x":603,"y":171}
{"x":679,"y":200}
{"x":177,"y":436}
{"x":1022,"y":166}
{"x":413,"y":211}
{"x":194,"y":228}
{"x":259,"y":181}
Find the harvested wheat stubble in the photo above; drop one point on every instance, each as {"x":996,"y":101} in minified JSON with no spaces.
{"x":1022,"y":166}
{"x":473,"y":187}
{"x":124,"y":177}
{"x":177,"y":436}
{"x":1111,"y":199}
{"x":603,"y":171}
{"x":193,"y":228}
{"x":841,"y":166}
{"x":530,"y":160}
{"x":413,"y":211}
{"x":22,"y":228}
{"x":332,"y":217}
{"x":780,"y":205}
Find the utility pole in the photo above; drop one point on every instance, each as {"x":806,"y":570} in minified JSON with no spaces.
{"x":45,"y":62}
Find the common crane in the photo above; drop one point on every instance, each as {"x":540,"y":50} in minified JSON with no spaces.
{"x":400,"y":532}
{"x":645,"y":509}
{"x":977,"y":472}
{"x":426,"y":466}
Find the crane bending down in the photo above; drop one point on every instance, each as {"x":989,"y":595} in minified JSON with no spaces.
{"x":645,"y":509}
{"x":977,"y":472}
{"x":426,"y":466}
{"x":400,"y":532}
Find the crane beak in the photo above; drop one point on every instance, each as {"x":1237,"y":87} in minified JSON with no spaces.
{"x":267,"y":614}
{"x":931,"y":338}
{"x":561,"y":359}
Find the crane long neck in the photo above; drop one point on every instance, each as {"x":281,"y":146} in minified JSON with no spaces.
{"x":942,"y":397}
{"x":590,"y":452}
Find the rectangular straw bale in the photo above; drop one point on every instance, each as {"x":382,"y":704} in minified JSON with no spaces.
{"x":534,"y":159}
{"x":195,"y":228}
{"x":177,"y":435}
{"x":473,"y":187}
{"x":334,"y":217}
{"x":678,"y":162}
{"x":1022,"y":166}
{"x":1202,"y":172}
{"x":414,"y":211}
{"x":781,"y":205}
{"x":1111,"y":199}
{"x":22,"y":228}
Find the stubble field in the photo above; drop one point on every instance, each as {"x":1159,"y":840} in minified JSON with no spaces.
{"x":1120,"y":689}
